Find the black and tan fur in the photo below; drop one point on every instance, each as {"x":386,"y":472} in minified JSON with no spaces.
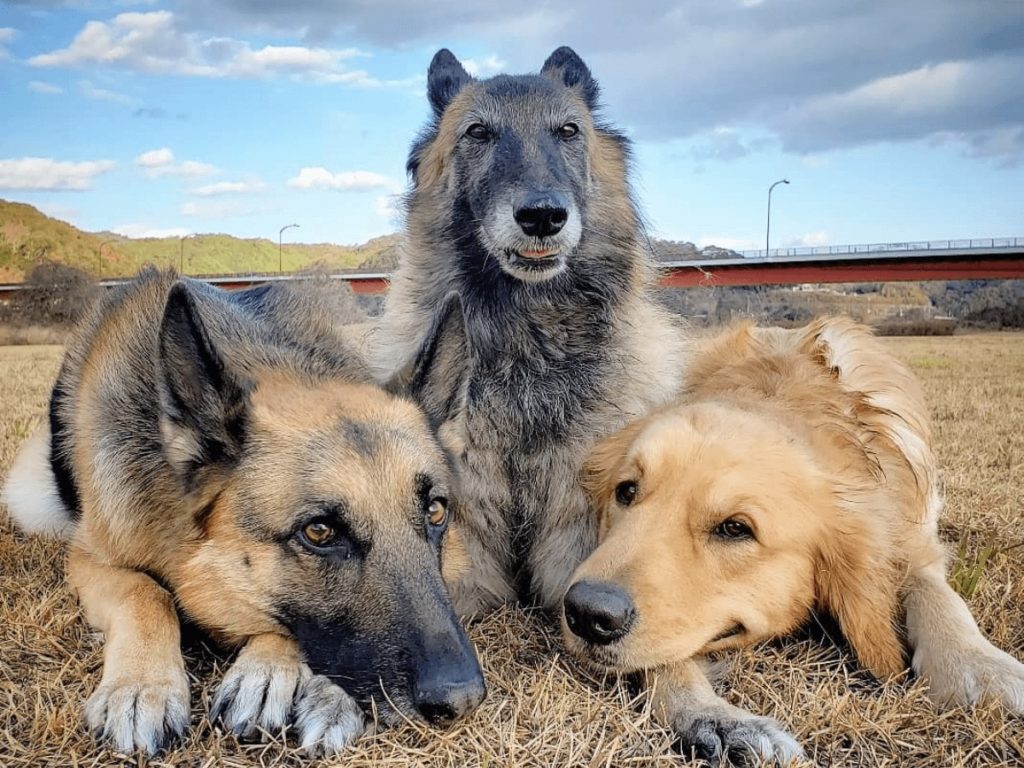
{"x":794,"y":475}
{"x":227,"y":457}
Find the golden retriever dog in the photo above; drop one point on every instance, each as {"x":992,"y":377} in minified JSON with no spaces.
{"x":794,"y":474}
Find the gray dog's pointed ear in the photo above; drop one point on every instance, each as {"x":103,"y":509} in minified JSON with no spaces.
{"x":566,"y":67}
{"x":435,"y":376}
{"x":202,"y":405}
{"x":445,"y":78}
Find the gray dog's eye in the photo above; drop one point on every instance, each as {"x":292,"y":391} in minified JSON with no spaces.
{"x":568,"y":131}
{"x":478,"y":131}
{"x":625,"y":492}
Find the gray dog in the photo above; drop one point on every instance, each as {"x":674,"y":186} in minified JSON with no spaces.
{"x":522,"y":226}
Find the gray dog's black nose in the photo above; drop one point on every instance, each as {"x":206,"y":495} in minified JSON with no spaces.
{"x":542,"y":214}
{"x":599,"y":613}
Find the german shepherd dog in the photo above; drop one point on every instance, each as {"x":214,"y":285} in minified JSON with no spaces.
{"x":225,"y":456}
{"x":520,"y":220}
{"x":795,"y":474}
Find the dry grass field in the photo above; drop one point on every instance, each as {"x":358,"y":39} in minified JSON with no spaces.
{"x":542,"y":710}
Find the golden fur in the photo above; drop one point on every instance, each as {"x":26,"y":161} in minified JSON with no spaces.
{"x":818,"y":441}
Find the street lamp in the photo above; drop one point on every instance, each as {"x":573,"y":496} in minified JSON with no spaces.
{"x":768,"y":229}
{"x":181,"y":254}
{"x":279,"y":233}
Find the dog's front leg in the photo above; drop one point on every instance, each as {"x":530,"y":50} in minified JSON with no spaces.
{"x":270,"y":687}
{"x":961,"y":667}
{"x":143,"y":699}
{"x":711,"y":729}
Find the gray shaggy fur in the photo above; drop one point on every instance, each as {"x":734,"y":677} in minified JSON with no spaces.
{"x":548,"y":354}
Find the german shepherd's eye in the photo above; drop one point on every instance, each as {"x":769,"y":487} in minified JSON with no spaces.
{"x":625,"y":492}
{"x":437,"y":512}
{"x":479,"y":132}
{"x":568,"y":131}
{"x":322,"y":538}
{"x":734,"y":529}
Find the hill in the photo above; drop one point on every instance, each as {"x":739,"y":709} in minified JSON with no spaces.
{"x":29,"y":237}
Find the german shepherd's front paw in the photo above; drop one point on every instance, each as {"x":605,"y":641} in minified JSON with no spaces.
{"x":146,"y":715}
{"x":735,"y":737}
{"x":258,"y":693}
{"x":328,"y":719}
{"x":974,"y":673}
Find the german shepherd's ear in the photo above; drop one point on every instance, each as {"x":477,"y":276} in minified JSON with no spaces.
{"x":600,"y":473}
{"x":568,"y":68}
{"x":435,"y":376}
{"x":202,"y":405}
{"x":856,"y":586}
{"x":445,"y":78}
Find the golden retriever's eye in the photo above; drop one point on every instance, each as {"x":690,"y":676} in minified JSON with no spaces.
{"x":479,"y":132}
{"x":437,"y":512}
{"x":733,"y":528}
{"x":568,"y":131}
{"x":625,"y":492}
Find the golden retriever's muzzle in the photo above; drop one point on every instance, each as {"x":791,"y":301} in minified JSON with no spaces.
{"x":598,"y":612}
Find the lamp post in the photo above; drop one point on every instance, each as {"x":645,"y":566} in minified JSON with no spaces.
{"x":279,"y":247}
{"x":768,"y":228}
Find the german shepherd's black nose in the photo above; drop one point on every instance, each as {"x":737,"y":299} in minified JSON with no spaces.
{"x":442,"y":697}
{"x":542,"y":214}
{"x":599,"y":613}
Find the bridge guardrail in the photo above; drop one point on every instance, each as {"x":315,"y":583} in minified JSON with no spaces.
{"x":916,"y":245}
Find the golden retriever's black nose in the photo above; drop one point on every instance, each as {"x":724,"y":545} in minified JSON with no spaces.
{"x":600,"y":613}
{"x":542,"y":214}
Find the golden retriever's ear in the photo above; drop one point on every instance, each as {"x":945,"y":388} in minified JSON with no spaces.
{"x":860,"y":589}
{"x":600,"y":471}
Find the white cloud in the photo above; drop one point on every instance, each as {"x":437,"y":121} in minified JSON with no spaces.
{"x":90,"y":91}
{"x":157,"y":163}
{"x":40,"y":173}
{"x":387,"y":207}
{"x":219,"y":209}
{"x":155,"y":158}
{"x":7,"y":34}
{"x":138,"y":230}
{"x":230,"y":188}
{"x":721,"y":144}
{"x":152,"y":42}
{"x":807,"y":240}
{"x":484,"y":67}
{"x":48,"y":88}
{"x":321,"y":178}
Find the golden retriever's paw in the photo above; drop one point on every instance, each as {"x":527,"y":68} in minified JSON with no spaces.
{"x":976,"y":673}
{"x":737,"y":738}
{"x":134,"y":714}
{"x":258,"y":694}
{"x":327,"y":718}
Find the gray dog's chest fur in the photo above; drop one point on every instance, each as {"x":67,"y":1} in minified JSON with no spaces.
{"x":543,"y":381}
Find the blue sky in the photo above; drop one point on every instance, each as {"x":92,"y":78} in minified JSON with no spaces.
{"x":893,"y":121}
